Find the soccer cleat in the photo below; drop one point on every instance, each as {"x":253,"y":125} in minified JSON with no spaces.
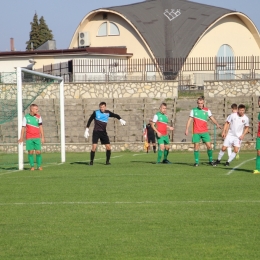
{"x":158,"y":163}
{"x":32,"y":169}
{"x":39,"y":168}
{"x":227,"y":164}
{"x":195,"y":164}
{"x":256,"y":172}
{"x":217,"y":162}
{"x":108,"y":163}
{"x":91,"y":163}
{"x":237,"y":156}
{"x":166,"y":161}
{"x":212,"y":163}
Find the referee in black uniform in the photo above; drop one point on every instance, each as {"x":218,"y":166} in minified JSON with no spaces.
{"x":150,"y":136}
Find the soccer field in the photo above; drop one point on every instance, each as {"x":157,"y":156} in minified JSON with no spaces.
{"x":132,"y":209}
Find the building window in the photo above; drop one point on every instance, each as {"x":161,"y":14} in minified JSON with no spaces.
{"x":113,"y":29}
{"x":102,"y":31}
{"x":226,"y":68}
{"x":105,"y":30}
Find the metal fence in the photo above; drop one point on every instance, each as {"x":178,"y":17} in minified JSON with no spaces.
{"x":190,"y":71}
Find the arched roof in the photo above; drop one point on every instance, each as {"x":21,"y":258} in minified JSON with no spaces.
{"x":166,"y":37}
{"x":171,"y":28}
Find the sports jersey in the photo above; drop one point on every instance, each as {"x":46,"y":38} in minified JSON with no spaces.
{"x":237,"y":124}
{"x":161,"y":121}
{"x":258,"y":132}
{"x":200,"y":118}
{"x":101,"y":119}
{"x":149,"y":130}
{"x":32,"y":124}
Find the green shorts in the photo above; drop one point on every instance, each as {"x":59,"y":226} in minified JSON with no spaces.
{"x":204,"y":136}
{"x":33,"y":144}
{"x":163,"y":139}
{"x":257,"y":144}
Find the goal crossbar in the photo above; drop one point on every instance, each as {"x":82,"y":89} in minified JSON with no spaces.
{"x":20,"y":111}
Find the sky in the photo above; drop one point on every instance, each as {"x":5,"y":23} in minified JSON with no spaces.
{"x":64,"y":16}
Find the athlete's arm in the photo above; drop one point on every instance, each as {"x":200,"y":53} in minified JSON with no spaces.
{"x":225,"y":129}
{"x":111,"y":114}
{"x":42,"y":133}
{"x":22,"y":135}
{"x":188,"y":125}
{"x":92,"y":117}
{"x":244,"y":133}
{"x":215,"y":122}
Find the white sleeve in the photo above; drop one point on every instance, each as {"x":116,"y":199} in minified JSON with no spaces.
{"x":229,"y":119}
{"x":24,"y":122}
{"x":247,"y":121}
{"x":40,"y":120}
{"x":155,"y":118}
{"x":191,"y":113}
{"x":209,"y":113}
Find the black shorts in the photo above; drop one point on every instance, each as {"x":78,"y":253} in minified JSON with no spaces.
{"x":151,"y":138}
{"x":102,"y":135}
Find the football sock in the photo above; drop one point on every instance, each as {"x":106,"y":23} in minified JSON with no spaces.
{"x":108,"y":154}
{"x":154,"y":148}
{"x":39,"y":160}
{"x":210,"y":155}
{"x":231,"y":157}
{"x":229,"y":151}
{"x":160,"y":152}
{"x":31,"y":159}
{"x":165,"y":154}
{"x":92,"y":156}
{"x":221,"y":153}
{"x":258,"y":163}
{"x":196,"y":156}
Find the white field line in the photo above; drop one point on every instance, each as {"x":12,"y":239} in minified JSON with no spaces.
{"x":137,"y":154}
{"x":102,"y":158}
{"x":231,"y":171}
{"x":129,"y":202}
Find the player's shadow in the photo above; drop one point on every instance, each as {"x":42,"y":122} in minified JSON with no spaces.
{"x":86,"y":163}
{"x":144,"y":162}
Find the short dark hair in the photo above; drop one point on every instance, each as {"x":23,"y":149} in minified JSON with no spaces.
{"x":241,"y":106}
{"x":33,"y":105}
{"x":234,"y":106}
{"x":163,"y":104}
{"x":102,"y":104}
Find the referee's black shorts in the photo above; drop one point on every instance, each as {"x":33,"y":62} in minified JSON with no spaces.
{"x":102,"y":135}
{"x":151,"y":138}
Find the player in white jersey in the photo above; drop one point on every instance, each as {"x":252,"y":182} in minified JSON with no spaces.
{"x":225,"y":129}
{"x":238,"y":128}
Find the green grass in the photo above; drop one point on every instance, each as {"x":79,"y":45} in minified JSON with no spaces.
{"x":132,"y":209}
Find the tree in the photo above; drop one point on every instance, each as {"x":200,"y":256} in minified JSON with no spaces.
{"x":45,"y":33}
{"x":40,"y":33}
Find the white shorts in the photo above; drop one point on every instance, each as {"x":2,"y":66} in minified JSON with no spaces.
{"x":232,"y":141}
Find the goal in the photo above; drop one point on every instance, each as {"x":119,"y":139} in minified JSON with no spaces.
{"x":17,"y":92}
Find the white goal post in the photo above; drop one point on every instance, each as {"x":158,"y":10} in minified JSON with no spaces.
{"x":20,"y":111}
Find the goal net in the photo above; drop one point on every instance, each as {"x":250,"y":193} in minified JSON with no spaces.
{"x":18,"y":91}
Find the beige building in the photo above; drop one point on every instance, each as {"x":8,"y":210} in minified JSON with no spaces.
{"x":170,"y":28}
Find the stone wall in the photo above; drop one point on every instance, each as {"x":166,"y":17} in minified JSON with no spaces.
{"x":153,"y":89}
{"x":231,"y":88}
